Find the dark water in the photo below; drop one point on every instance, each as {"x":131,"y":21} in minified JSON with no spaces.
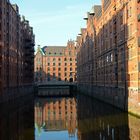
{"x":82,"y":118}
{"x":17,"y":119}
{"x":70,"y":118}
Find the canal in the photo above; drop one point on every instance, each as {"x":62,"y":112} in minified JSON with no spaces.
{"x":65,"y":118}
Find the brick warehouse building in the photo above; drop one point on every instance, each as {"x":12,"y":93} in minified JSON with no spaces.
{"x":56,"y":63}
{"x":114,"y":28}
{"x":16,"y":50}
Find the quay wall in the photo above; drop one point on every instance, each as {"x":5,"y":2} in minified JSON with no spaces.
{"x":12,"y":94}
{"x":113,"y":96}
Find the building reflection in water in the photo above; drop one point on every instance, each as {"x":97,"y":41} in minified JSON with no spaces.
{"x":134,"y":128}
{"x":99,"y":121}
{"x":84,"y":119}
{"x":17,"y":119}
{"x":57,"y":114}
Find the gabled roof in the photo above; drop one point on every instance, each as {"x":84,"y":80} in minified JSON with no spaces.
{"x":39,"y":49}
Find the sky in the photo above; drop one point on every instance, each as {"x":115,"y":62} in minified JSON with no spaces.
{"x":55,"y":21}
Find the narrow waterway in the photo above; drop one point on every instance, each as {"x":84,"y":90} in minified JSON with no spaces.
{"x":65,"y":118}
{"x":82,"y":118}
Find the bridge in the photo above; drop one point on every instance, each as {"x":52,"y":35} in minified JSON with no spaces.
{"x":55,"y":88}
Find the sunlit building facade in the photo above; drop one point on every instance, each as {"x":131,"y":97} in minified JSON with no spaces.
{"x":113,"y":28}
{"x":56,"y":63}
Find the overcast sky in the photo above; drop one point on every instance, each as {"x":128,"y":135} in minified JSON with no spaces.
{"x":55,"y":21}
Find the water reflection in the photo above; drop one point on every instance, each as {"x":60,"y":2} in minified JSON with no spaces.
{"x":17,"y":119}
{"x":82,"y":118}
{"x":55,"y":118}
{"x":134,"y":127}
{"x":100,"y":121}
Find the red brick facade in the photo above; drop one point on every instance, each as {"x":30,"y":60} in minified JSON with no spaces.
{"x":112,"y":37}
{"x":57,"y":63}
{"x":16,"y":41}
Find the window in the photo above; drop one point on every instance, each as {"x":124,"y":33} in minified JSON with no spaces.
{"x":53,"y":74}
{"x":65,"y":59}
{"x":48,"y":78}
{"x":129,"y":12}
{"x":53,"y":64}
{"x":59,"y":64}
{"x":121,"y":19}
{"x":70,"y":69}
{"x":59,"y":79}
{"x":65,"y":64}
{"x":139,"y":18}
{"x":107,"y":58}
{"x":110,"y":28}
{"x":53,"y":59}
{"x":65,"y":69}
{"x":65,"y":74}
{"x":70,"y":64}
{"x":53,"y":68}
{"x":139,"y":66}
{"x":70,"y":59}
{"x":130,"y":30}
{"x":59,"y":59}
{"x":139,"y":41}
{"x":48,"y":64}
{"x":111,"y":57}
{"x":59,"y":69}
